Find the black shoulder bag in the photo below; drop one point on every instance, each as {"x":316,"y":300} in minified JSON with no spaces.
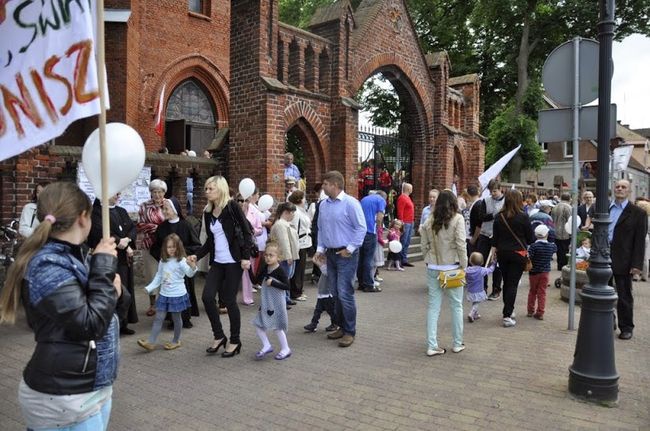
{"x":239,"y":234}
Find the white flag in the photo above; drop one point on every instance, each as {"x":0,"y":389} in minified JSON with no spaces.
{"x":495,"y":170}
{"x":621,"y":157}
{"x":48,"y":77}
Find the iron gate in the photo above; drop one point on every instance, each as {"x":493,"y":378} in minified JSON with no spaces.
{"x":385,"y":159}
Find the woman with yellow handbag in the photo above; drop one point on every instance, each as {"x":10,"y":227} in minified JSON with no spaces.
{"x":445,"y":253}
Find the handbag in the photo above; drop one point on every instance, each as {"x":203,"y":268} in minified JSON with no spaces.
{"x":239,"y":234}
{"x":528,"y":264}
{"x":451,"y":278}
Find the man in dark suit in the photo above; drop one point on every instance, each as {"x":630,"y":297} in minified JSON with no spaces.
{"x":627,"y":232}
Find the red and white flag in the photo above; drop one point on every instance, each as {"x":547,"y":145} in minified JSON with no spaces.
{"x":159,"y":113}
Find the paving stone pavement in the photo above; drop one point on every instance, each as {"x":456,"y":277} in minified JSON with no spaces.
{"x":506,"y":379}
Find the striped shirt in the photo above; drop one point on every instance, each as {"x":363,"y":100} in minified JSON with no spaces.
{"x":541,"y":254}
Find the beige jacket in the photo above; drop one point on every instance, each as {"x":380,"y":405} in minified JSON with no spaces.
{"x":287,"y":237}
{"x":450,"y":243}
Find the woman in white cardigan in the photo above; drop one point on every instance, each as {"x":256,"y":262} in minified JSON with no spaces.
{"x":287,"y":238}
{"x":444,"y":248}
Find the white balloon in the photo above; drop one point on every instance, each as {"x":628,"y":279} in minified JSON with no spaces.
{"x":395,"y":246}
{"x":246,"y":188}
{"x":265,"y":203}
{"x":125,"y":158}
{"x":569,"y":224}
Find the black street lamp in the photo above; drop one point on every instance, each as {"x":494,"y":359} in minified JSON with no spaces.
{"x":593,"y":375}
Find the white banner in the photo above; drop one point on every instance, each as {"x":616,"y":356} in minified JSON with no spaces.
{"x":621,"y":157}
{"x":48,"y":77}
{"x":495,"y":170}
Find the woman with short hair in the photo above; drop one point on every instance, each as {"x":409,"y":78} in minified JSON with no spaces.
{"x":150,"y":217}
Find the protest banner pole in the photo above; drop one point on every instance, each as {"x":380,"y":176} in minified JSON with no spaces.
{"x":101,"y":80}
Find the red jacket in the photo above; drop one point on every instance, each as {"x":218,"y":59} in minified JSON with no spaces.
{"x":405,"y":209}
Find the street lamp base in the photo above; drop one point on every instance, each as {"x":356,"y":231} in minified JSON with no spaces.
{"x":599,"y":390}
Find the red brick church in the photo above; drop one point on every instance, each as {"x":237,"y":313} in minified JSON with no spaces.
{"x":236,"y":81}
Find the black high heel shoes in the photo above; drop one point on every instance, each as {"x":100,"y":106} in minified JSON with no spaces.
{"x":227,"y":354}
{"x":221,"y":344}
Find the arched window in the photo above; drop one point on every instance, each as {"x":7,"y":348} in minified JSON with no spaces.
{"x":190,"y":119}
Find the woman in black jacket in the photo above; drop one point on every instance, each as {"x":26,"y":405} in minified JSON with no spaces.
{"x":229,"y":246}
{"x":123,"y":230}
{"x":176,"y":223}
{"x":70,"y":300}
{"x":512,"y":235}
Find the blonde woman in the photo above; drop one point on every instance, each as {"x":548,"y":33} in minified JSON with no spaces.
{"x":228,"y":244}
{"x":444,"y":248}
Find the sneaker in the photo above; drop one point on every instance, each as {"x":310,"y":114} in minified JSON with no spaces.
{"x":172,"y":345}
{"x":437,"y":351}
{"x":301,"y":298}
{"x":399,"y":268}
{"x":458,"y":349}
{"x":311,"y":327}
{"x":254,"y":290}
{"x":331,"y":328}
{"x":494,"y":296}
{"x":508,"y":322}
{"x":378,"y":279}
{"x":377,"y":284}
{"x":470,"y":318}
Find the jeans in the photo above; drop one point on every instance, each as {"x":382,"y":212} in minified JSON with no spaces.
{"x":405,"y":239}
{"x":365,"y":273}
{"x":455,"y":299}
{"x":340,"y":273}
{"x":224,"y":279}
{"x":96,"y":422}
{"x":512,"y":267}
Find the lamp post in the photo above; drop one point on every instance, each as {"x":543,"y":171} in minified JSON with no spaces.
{"x":593,"y":375}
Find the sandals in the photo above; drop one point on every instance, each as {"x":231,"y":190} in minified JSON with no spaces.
{"x":437,"y":351}
{"x":262,"y":353}
{"x":281,"y":356}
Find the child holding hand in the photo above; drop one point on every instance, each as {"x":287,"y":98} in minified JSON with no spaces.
{"x":173,"y":298}
{"x":272,"y":313}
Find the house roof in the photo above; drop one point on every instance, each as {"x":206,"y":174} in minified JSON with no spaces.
{"x":330,"y":12}
{"x":645,"y":132}
{"x":629,"y":135}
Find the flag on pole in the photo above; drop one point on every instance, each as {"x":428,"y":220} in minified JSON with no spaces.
{"x":159,"y":113}
{"x":495,"y":170}
{"x":48,"y":77}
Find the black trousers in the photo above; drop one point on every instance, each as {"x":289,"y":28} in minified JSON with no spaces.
{"x":625,"y":303}
{"x":298,"y":279}
{"x":483,"y":246}
{"x":125,"y":308}
{"x":326,"y":305}
{"x":223,"y":279}
{"x":512,"y":268}
{"x":563,"y":246}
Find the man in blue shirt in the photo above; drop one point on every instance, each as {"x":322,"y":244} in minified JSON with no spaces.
{"x":341,"y":231}
{"x":627,"y":232}
{"x":290,"y":170}
{"x":374,"y":207}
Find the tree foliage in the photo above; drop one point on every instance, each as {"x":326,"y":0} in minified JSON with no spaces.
{"x":380,"y":100}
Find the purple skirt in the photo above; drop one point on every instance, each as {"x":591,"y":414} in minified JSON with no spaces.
{"x":173,"y":304}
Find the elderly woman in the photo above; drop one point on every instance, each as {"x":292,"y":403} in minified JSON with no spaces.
{"x":228,"y":244}
{"x":150,"y":217}
{"x":444,"y":249}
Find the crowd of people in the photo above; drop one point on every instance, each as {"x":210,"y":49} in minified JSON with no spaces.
{"x":79,"y":302}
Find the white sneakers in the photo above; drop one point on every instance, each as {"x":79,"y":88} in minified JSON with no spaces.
{"x":458,"y":349}
{"x":509,"y":322}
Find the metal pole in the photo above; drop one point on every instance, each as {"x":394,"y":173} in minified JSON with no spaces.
{"x":593,"y":375}
{"x":576,"y":156}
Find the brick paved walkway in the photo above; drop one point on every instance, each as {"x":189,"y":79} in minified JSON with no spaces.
{"x":507,"y":378}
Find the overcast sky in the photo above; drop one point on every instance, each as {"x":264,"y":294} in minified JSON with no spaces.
{"x":631,"y":81}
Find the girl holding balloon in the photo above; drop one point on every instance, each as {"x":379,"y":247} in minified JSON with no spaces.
{"x":394,"y":233}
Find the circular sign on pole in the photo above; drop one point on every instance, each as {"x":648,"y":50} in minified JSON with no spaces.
{"x":558,"y":73}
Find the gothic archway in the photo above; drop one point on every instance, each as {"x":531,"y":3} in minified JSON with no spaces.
{"x":190,"y":119}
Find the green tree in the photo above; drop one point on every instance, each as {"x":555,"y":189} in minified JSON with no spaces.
{"x":381,"y":101}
